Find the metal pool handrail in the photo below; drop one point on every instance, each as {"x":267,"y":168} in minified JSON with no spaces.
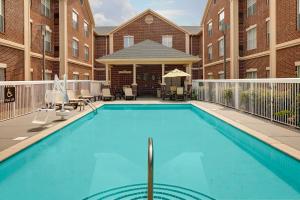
{"x":150,"y":169}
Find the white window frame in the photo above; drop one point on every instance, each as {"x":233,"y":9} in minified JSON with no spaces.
{"x":75,"y":48}
{"x":221,"y":75}
{"x":86,"y":28}
{"x":268,"y":31}
{"x":221,"y":46}
{"x":210,"y":52}
{"x":46,"y":8}
{"x":86,"y":52}
{"x":210,"y":29}
{"x":298,"y":71}
{"x":1,"y":15}
{"x":221,"y":20}
{"x":3,"y":71}
{"x":75,"y":17}
{"x":167,"y":40}
{"x":48,"y":41}
{"x":251,"y":38}
{"x":128,"y":41}
{"x":298,"y":15}
{"x":251,"y":7}
{"x":251,"y":73}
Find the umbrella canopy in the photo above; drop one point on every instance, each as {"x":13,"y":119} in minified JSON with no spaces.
{"x":176,"y":73}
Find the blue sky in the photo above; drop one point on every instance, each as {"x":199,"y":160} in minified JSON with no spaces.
{"x":114,"y":12}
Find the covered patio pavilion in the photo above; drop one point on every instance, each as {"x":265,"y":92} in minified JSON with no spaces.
{"x":143,"y":66}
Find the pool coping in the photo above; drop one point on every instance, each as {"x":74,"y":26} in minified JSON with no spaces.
{"x":290,"y":151}
{"x":11,"y":151}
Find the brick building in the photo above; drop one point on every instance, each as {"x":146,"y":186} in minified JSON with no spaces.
{"x":144,"y":71}
{"x":262,"y":38}
{"x":68,"y":27}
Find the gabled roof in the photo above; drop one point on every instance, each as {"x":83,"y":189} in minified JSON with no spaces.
{"x":105,"y":30}
{"x":148,"y":50}
{"x":149,"y":11}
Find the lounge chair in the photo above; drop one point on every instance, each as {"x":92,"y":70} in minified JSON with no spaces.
{"x":85,"y":94}
{"x":106,"y":95}
{"x":129,"y":94}
{"x":180,"y":94}
{"x":75,"y":100}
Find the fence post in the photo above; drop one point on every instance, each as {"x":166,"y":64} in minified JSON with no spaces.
{"x":237,"y":96}
{"x":272,"y":101}
{"x":217,"y":92}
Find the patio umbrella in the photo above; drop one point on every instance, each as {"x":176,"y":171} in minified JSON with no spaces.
{"x":176,"y":73}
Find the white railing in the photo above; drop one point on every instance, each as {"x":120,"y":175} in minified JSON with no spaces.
{"x":274,"y":99}
{"x":30,"y":95}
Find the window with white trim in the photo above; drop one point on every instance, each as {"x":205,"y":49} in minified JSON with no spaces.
{"x":167,"y":40}
{"x":1,"y":15}
{"x":210,"y":29}
{"x":128,"y":41}
{"x":210,"y":53}
{"x":75,"y":76}
{"x":75,"y":51}
{"x":268,"y":32}
{"x":86,"y":29}
{"x":48,"y":41}
{"x":251,"y":7}
{"x":2,"y":74}
{"x":210,"y":76}
{"x":75,"y":20}
{"x":86,"y":77}
{"x":86,"y":53}
{"x":221,"y":75}
{"x":251,"y":75}
{"x":298,"y":15}
{"x":221,"y":20}
{"x":298,"y":71}
{"x":48,"y":76}
{"x":251,"y":39}
{"x":46,"y":8}
{"x":221,"y":47}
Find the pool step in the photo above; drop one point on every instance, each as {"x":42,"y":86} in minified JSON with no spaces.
{"x":139,"y":191}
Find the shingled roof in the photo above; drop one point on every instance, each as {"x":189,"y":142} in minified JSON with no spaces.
{"x":148,"y":49}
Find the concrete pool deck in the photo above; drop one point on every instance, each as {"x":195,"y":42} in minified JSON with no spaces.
{"x":19,"y":133}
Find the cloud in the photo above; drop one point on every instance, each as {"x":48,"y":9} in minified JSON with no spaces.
{"x":171,"y":13}
{"x":111,"y":12}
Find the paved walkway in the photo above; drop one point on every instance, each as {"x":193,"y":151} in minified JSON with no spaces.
{"x":284,"y":134}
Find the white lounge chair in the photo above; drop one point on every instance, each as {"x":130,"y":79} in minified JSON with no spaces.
{"x":129,"y":94}
{"x":106,"y":95}
{"x":75,"y":100}
{"x":180,"y":94}
{"x":85,"y":94}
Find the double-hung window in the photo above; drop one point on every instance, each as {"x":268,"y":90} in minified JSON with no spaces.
{"x":75,"y":50}
{"x":86,"y":29}
{"x":251,"y":39}
{"x":46,"y":7}
{"x":251,"y":74}
{"x":2,"y":71}
{"x":128,"y":41}
{"x":251,"y":7}
{"x":268,"y":32}
{"x":167,"y":40}
{"x":1,"y":15}
{"x":298,"y":15}
{"x":221,"y":20}
{"x":210,"y":52}
{"x":221,"y":47}
{"x":48,"y":41}
{"x":210,"y":29}
{"x":75,"y":20}
{"x":298,"y":71}
{"x":86,"y":53}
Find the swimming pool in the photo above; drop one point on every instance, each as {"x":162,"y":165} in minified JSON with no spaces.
{"x":104,"y":156}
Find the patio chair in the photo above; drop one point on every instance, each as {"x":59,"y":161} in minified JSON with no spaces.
{"x":129,"y":94}
{"x":106,"y":95}
{"x":75,"y":100}
{"x":173,"y":90}
{"x":85,"y":94}
{"x":180,"y":94}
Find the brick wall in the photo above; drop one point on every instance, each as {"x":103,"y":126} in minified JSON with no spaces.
{"x":260,"y":64}
{"x":286,"y":59}
{"x":142,"y":31}
{"x":101,"y":49}
{"x":14,"y":59}
{"x":215,"y":69}
{"x":80,"y":69}
{"x":37,"y":67}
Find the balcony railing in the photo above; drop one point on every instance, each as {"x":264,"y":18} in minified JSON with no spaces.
{"x":275,"y":99}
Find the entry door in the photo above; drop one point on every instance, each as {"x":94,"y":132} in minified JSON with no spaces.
{"x":148,"y":79}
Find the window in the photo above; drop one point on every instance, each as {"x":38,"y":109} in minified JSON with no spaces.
{"x":209,"y":50}
{"x":86,"y":29}
{"x":75,"y":51}
{"x":2,"y":74}
{"x":210,"y":76}
{"x":75,"y":76}
{"x":1,"y":15}
{"x":86,"y":76}
{"x":251,"y":7}
{"x":46,"y":7}
{"x":167,"y":40}
{"x":48,"y":41}
{"x":221,"y":47}
{"x":298,"y":15}
{"x":210,"y":29}
{"x":86,"y":53}
{"x":48,"y":76}
{"x":268,"y":32}
{"x":251,"y":75}
{"x":128,"y":41}
{"x":75,"y":20}
{"x":221,"y":75}
{"x":298,"y":71}
{"x":221,"y":20}
{"x":251,"y":39}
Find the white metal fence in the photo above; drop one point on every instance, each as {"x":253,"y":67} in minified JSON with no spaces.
{"x":274,"y":99}
{"x":30,"y":95}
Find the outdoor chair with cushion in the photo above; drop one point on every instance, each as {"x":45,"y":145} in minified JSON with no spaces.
{"x":106,"y":95}
{"x":85,"y":94}
{"x":180,"y":94}
{"x":129,"y":94}
{"x":75,"y":100}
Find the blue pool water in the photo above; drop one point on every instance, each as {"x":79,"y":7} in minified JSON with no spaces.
{"x":104,"y":156}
